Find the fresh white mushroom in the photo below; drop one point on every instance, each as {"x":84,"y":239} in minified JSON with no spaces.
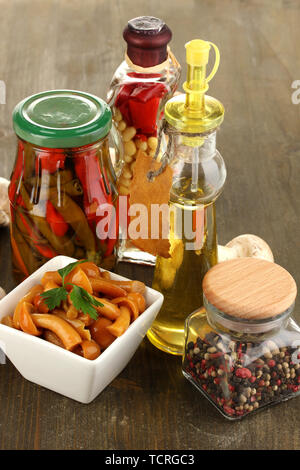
{"x":4,"y":202}
{"x":244,"y":246}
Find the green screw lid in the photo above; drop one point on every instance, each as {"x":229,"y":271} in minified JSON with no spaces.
{"x":62,"y":119}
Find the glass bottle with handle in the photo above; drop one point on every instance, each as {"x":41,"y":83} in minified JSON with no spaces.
{"x":191,"y":122}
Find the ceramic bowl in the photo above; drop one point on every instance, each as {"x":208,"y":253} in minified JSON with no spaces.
{"x":60,"y":370}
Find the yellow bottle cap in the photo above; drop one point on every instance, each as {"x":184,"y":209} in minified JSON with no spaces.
{"x":194,"y":112}
{"x":197,"y":52}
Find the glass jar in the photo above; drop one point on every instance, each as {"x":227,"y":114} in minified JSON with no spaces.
{"x":199,"y":175}
{"x":62,"y":191}
{"x":250,"y":358}
{"x":139,"y":89}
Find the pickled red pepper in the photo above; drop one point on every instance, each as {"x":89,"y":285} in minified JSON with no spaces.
{"x":97,"y":193}
{"x":56,"y":220}
{"x":50,"y":160}
{"x":139,"y":103}
{"x":26,"y":228}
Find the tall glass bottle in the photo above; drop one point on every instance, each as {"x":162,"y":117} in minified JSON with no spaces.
{"x":198,"y":177}
{"x":139,"y":89}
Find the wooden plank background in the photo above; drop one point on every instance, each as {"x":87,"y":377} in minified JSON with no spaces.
{"x":77,"y":44}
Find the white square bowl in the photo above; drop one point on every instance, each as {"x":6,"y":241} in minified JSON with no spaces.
{"x":60,"y":370}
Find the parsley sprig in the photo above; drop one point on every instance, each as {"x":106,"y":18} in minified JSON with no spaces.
{"x":80,"y":298}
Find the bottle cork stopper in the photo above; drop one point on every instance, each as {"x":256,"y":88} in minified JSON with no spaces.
{"x":249,"y":288}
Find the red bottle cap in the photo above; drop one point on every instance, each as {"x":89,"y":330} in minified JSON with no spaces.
{"x":147,"y":38}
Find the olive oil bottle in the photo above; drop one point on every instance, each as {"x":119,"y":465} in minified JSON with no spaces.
{"x":198,"y":177}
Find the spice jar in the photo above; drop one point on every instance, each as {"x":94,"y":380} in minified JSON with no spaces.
{"x":242,"y":351}
{"x":63,"y":181}
{"x":199,"y":173}
{"x":140,"y":87}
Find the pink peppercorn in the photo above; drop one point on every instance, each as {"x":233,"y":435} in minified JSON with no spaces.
{"x":252,"y":379}
{"x":243,"y":373}
{"x":271,"y":363}
{"x":216,"y":355}
{"x":261,"y":383}
{"x":228,"y":410}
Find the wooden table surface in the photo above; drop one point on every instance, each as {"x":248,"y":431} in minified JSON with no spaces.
{"x":48,"y":44}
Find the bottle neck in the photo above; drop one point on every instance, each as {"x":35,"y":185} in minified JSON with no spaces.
{"x":195,"y":89}
{"x":186,"y":146}
{"x":147,"y":58}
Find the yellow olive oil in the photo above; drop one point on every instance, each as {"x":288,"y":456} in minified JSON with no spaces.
{"x":179,"y":278}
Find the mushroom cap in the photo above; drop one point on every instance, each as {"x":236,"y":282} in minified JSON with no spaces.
{"x":250,"y":246}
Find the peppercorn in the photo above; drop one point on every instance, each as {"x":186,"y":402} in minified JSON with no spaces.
{"x":219,"y":368}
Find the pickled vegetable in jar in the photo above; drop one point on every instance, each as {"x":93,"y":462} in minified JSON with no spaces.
{"x":62,"y":191}
{"x":140,"y":87}
{"x":242,"y":350}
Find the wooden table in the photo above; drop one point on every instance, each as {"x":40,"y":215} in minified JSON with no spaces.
{"x":73,"y":44}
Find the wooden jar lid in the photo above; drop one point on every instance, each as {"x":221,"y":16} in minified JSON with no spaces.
{"x":249,"y":288}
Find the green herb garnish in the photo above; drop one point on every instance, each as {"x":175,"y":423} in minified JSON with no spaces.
{"x":80,"y":298}
{"x":84,"y":301}
{"x":54,"y":297}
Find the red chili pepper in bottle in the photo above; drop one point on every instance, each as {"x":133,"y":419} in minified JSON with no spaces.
{"x":44,"y":250}
{"x":56,"y":221}
{"x":139,"y":103}
{"x":96,"y":193}
{"x":88,"y":171}
{"x":50,"y":160}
